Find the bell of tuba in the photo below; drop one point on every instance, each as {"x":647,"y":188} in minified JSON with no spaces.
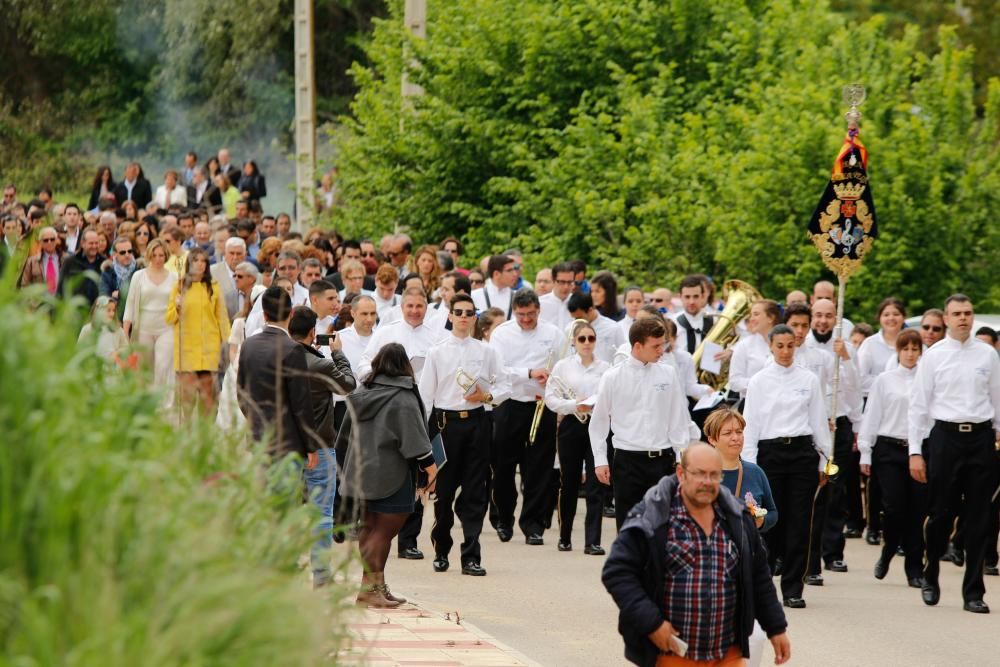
{"x":739,"y":297}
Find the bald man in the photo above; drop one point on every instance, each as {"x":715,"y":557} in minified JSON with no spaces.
{"x":796,"y":296}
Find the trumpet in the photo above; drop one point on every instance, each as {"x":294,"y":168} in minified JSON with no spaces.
{"x":568,"y":394}
{"x":468,"y":382}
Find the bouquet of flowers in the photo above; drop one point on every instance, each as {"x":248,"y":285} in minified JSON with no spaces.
{"x":755,"y":510}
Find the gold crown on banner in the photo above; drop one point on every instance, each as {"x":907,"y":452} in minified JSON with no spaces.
{"x":849,"y":191}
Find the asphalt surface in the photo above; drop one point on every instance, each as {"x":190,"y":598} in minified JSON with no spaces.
{"x":552,"y":607}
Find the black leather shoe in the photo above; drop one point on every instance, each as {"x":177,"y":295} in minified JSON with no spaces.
{"x":795,"y":603}
{"x":900,"y":551}
{"x":873,"y":539}
{"x":953,"y":555}
{"x":608,"y":512}
{"x":411,"y":553}
{"x":837,"y":566}
{"x":853,"y":533}
{"x":593,"y":550}
{"x":564,"y":546}
{"x":473,"y":570}
{"x":504,"y":533}
{"x":915,"y":582}
{"x":441,"y":564}
{"x":931,"y":593}
{"x":779,"y":567}
{"x":976,"y":607}
{"x":814,"y":580}
{"x":991,"y":570}
{"x":881,"y":568}
{"x":959,"y":560}
{"x":534,"y":540}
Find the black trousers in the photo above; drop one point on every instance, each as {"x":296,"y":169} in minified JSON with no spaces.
{"x":959,"y":464}
{"x":633,"y":474}
{"x":855,"y":499}
{"x":837,"y":489}
{"x":904,"y":505}
{"x":511,"y":426}
{"x":576,"y":456}
{"x":461,"y":483}
{"x":793,"y":472}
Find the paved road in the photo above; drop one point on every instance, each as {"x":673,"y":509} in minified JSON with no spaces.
{"x":552,"y":607}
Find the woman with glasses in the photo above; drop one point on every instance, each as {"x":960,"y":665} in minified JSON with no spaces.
{"x":788,"y":435}
{"x":144,"y":233}
{"x":477,"y":279}
{"x":574,"y":380}
{"x":145,"y":318}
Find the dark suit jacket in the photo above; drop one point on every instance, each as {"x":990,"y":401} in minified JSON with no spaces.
{"x":88,"y":286}
{"x":327,"y":377}
{"x":273,"y":393}
{"x":142,"y":193}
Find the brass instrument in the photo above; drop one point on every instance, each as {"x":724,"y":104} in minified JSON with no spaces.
{"x":540,"y":403}
{"x":739,"y":297}
{"x":467,"y":382}
{"x":568,"y":394}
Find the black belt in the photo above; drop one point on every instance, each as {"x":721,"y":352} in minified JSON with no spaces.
{"x":964,"y":427}
{"x":899,"y":442}
{"x":793,"y":440}
{"x":646,"y":454}
{"x":460,"y":414}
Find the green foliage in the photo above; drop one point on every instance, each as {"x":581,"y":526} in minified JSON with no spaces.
{"x":126,"y":540}
{"x":654,"y":139}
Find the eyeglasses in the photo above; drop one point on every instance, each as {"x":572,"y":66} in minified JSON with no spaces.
{"x":714,"y":477}
{"x":932,"y":327}
{"x":512,"y":267}
{"x":565,"y":283}
{"x":586,"y":339}
{"x":354,"y":277}
{"x":477,"y":281}
{"x":122,"y":253}
{"x":452,"y":251}
{"x":48,"y":240}
{"x":142,"y":232}
{"x":368,"y":254}
{"x":464,"y":312}
{"x":658,"y":300}
{"x":239,"y":276}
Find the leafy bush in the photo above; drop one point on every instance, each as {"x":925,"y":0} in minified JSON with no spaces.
{"x":126,"y":540}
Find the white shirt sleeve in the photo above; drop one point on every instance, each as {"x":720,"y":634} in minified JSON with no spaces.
{"x":600,"y":422}
{"x":871,"y":421}
{"x":820,"y":424}
{"x":920,"y":403}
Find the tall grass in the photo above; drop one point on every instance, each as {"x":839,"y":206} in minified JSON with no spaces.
{"x":121,"y":544}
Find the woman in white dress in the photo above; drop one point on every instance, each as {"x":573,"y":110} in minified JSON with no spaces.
{"x":145,"y":315}
{"x":229,"y":416}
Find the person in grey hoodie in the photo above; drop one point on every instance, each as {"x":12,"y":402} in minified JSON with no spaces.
{"x":386,"y":429}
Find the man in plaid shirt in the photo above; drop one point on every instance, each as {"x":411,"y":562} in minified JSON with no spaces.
{"x":688,"y":565}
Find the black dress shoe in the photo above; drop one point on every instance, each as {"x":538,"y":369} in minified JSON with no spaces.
{"x":795,"y":603}
{"x":814,"y":580}
{"x":931,"y":593}
{"x":853,"y":533}
{"x":991,"y":570}
{"x":837,"y":566}
{"x":441,"y":564}
{"x":473,"y":570}
{"x":608,"y":512}
{"x":411,"y":553}
{"x":593,"y":550}
{"x":534,"y":540}
{"x":976,"y":607}
{"x":779,"y":567}
{"x":953,"y":555}
{"x":504,"y":533}
{"x":900,"y":551}
{"x":881,"y":568}
{"x":915,"y":582}
{"x":564,"y":546}
{"x":873,"y":539}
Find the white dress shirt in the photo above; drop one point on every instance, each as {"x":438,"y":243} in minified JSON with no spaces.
{"x":383,"y":306}
{"x":417,"y":341}
{"x":683,"y":363}
{"x":553,"y":310}
{"x":749,"y":356}
{"x":581,"y":380}
{"x":609,"y":337}
{"x":643,"y":405}
{"x":873,"y":355}
{"x":887,"y":409}
{"x":353,"y":345}
{"x":956,"y":382}
{"x":697,"y":322}
{"x":784,"y":403}
{"x":300,"y":295}
{"x":625,"y":324}
{"x":439,"y":381}
{"x":522,"y":350}
{"x":165,"y":199}
{"x":849,"y":401}
{"x":492,"y":296}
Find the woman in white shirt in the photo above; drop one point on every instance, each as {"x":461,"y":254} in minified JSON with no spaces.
{"x":752,"y":351}
{"x":574,"y":380}
{"x":885,"y":455}
{"x":634,"y":300}
{"x":171,"y":193}
{"x":145,"y":320}
{"x":876,"y":351}
{"x":788,"y":436}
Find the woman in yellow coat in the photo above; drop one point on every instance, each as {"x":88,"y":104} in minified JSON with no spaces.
{"x":197,"y":311}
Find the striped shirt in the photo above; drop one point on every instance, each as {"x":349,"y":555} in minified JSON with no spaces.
{"x":700,"y":586}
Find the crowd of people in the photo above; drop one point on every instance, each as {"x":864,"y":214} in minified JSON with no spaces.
{"x":407,"y":374}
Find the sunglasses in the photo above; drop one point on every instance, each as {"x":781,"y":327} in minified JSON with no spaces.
{"x":367,"y":254}
{"x":142,"y":232}
{"x":932,"y":327}
{"x":586,"y":339}
{"x":122,"y":253}
{"x":478,"y":281}
{"x":658,"y":300}
{"x":48,"y":240}
{"x":464,"y":312}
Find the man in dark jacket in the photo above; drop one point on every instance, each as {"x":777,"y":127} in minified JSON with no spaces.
{"x":271,"y":390}
{"x":76,"y":267}
{"x":134,"y":187}
{"x":688,"y":565}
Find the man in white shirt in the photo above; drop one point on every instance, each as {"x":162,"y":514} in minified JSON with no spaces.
{"x":554,"y":303}
{"x":325,"y":302}
{"x":609,"y":335}
{"x":529,"y":349}
{"x":498,"y":291}
{"x":386,"y":280}
{"x":955,"y":406}
{"x":692,"y":322}
{"x":289,"y":266}
{"x":824,"y":289}
{"x":642,"y":403}
{"x":224,"y":273}
{"x":457,"y":413}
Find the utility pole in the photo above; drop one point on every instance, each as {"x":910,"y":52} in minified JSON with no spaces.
{"x":305,"y":115}
{"x":415,"y":19}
